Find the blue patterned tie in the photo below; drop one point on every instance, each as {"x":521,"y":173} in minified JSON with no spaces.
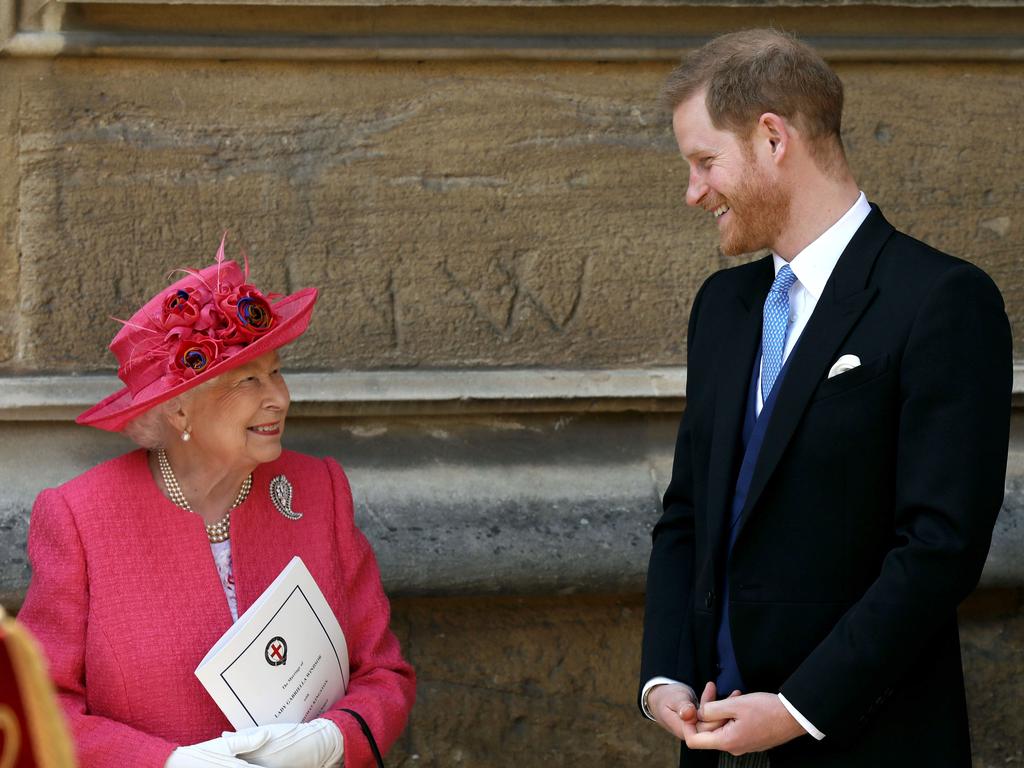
{"x":776,"y":325}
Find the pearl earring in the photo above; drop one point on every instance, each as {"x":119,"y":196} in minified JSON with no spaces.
{"x":186,"y":436}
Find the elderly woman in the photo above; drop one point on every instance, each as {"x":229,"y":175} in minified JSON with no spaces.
{"x":142,"y":563}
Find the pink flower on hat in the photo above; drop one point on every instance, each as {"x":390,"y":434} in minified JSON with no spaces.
{"x":205,"y":326}
{"x":247,"y":312}
{"x":181,"y":308}
{"x":193,"y":354}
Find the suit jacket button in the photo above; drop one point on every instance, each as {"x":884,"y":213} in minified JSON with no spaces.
{"x":709,"y":600}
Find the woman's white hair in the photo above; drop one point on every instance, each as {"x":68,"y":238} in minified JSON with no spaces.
{"x":151,"y":429}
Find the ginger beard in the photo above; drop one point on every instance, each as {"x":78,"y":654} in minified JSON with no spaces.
{"x":758,"y":212}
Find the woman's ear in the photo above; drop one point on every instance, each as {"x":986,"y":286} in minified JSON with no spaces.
{"x":176,"y":416}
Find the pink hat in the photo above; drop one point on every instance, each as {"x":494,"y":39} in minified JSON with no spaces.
{"x":207,"y":323}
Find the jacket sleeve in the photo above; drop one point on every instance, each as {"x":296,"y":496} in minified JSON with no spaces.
{"x":382,"y":685}
{"x":668,"y":647}
{"x":56,"y":611}
{"x":955,"y":384}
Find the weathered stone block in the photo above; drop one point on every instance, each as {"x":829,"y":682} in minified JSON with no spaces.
{"x":992,"y":643}
{"x":10,"y":178}
{"x":552,"y":681}
{"x":541,"y":681}
{"x":454,"y":213}
{"x":935,"y":177}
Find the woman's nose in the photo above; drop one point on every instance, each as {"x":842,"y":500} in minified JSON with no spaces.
{"x":278,"y":396}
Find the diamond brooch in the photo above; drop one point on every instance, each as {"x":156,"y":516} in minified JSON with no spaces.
{"x":281,"y":495}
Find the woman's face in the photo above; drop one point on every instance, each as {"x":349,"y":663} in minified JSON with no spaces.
{"x":237,"y":419}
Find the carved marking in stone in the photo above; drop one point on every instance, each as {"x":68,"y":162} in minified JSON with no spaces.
{"x":551,"y":283}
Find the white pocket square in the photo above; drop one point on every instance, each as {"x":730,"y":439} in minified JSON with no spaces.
{"x":843,"y":364}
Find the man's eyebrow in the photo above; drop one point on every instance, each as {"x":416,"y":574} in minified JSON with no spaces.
{"x":700,"y":151}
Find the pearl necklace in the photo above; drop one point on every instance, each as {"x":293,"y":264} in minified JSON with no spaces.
{"x":215,"y":532}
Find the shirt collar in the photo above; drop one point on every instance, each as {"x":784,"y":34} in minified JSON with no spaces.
{"x":814,"y":264}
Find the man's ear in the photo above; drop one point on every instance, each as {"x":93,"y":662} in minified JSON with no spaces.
{"x":775,"y":135}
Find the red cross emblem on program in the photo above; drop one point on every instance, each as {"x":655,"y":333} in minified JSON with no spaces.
{"x":276,"y":652}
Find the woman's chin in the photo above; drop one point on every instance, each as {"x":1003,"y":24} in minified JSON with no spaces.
{"x":267,"y":450}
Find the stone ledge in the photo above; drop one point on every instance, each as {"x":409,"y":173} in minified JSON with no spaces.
{"x":61,"y":398}
{"x":365,"y":393}
{"x":434,"y":536}
{"x":584,"y":3}
{"x":520,"y":504}
{"x":482,"y":48}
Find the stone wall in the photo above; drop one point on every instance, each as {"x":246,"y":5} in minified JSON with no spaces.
{"x":453,"y":214}
{"x":492,"y":206}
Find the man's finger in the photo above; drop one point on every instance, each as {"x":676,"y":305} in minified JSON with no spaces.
{"x":712,"y":739}
{"x":669,"y":704}
{"x":672,"y":721}
{"x":703,"y":727}
{"x":688,"y":712}
{"x":719,"y":710}
{"x":689,"y":731}
{"x":710,"y":693}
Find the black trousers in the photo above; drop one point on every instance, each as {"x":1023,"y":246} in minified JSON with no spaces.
{"x":753,"y":760}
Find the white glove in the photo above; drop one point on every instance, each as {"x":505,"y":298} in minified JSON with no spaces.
{"x":215,"y":753}
{"x":316,"y":744}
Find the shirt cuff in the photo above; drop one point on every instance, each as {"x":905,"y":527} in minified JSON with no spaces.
{"x":806,"y":724}
{"x":654,"y":682}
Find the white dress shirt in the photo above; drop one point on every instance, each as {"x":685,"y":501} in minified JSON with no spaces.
{"x":812,"y":266}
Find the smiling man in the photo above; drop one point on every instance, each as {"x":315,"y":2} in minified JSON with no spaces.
{"x":840,"y":463}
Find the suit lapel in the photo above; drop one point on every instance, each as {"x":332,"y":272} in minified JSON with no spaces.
{"x":843,"y":301}
{"x":735,"y":362}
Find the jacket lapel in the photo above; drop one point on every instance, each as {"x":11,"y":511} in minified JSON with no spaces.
{"x":843,"y":301}
{"x":735,"y":363}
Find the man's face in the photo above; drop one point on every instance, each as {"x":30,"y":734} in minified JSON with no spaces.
{"x":730,"y":180}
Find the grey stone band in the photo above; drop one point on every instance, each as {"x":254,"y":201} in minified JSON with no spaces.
{"x":475,"y":482}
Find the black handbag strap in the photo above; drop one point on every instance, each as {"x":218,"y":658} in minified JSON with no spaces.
{"x":369,"y":736}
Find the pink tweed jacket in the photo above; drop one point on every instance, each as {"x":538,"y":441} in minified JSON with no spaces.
{"x":125,"y":600}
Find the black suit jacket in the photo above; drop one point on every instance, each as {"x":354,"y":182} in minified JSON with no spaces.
{"x":871,"y":508}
